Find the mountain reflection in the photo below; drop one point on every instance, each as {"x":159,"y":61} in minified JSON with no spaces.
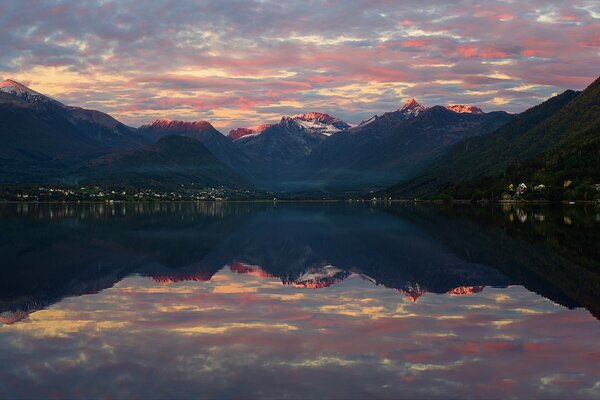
{"x":50,"y":252}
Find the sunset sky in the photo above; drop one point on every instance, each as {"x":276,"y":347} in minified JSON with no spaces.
{"x":239,"y":63}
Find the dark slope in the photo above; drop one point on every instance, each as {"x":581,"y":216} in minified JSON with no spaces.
{"x":37,"y":142}
{"x":218,"y":144}
{"x":169,"y":163}
{"x":42,"y":138}
{"x":107,"y":132}
{"x":104,"y":129}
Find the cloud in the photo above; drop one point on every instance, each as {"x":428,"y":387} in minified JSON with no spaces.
{"x":351,"y":340}
{"x":129,"y":58}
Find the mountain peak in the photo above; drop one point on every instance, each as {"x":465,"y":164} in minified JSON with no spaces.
{"x":10,"y":82}
{"x":412,"y":108}
{"x":316,"y":122}
{"x":411,"y":104}
{"x":18,"y":89}
{"x":464,"y":108}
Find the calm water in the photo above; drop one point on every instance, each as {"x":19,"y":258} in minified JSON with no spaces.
{"x":298,"y":301}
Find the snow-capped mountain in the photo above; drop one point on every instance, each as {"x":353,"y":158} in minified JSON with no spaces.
{"x":411,"y":108}
{"x":311,"y":151}
{"x":323,"y":123}
{"x":288,"y":141}
{"x":24,"y":93}
{"x":464,"y":108}
{"x":391,"y":147}
{"x":316,"y":122}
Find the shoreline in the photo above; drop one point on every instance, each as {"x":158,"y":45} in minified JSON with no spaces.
{"x":414,"y":201}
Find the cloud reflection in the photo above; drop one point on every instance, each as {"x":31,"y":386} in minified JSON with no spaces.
{"x":351,"y":340}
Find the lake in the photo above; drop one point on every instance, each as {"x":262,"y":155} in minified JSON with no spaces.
{"x":299,"y":300}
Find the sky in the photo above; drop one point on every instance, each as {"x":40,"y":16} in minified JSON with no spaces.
{"x":241,"y":63}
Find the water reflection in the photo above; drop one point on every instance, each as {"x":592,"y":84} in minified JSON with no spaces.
{"x":297,"y":300}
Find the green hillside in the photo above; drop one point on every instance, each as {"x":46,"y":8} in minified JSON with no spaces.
{"x":550,"y":144}
{"x":170,"y":162}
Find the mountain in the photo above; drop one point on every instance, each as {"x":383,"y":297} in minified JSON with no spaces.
{"x":47,"y":141}
{"x":37,"y":142}
{"x":169,"y":163}
{"x":313,"y":121}
{"x":104,"y":129}
{"x":322,"y":123}
{"x":550,"y":144}
{"x":198,"y":130}
{"x":22,"y":92}
{"x":390,"y":120}
{"x":96,"y":125}
{"x":273,"y":147}
{"x":42,"y":137}
{"x":388,"y":148}
{"x":219,"y":145}
{"x":282,"y":143}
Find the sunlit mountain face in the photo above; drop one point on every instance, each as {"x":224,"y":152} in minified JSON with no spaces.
{"x":316,"y":294}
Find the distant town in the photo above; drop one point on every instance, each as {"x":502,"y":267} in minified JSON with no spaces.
{"x":115,"y":194}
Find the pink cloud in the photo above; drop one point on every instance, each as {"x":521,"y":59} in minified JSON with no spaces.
{"x":504,"y":16}
{"x":467,"y":51}
{"x":331,"y":47}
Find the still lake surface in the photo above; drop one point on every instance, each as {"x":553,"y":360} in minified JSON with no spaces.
{"x":304,"y":300}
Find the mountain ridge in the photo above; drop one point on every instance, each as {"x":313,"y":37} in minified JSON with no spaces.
{"x":532,"y":148}
{"x":419,"y":147}
{"x":172,"y":161}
